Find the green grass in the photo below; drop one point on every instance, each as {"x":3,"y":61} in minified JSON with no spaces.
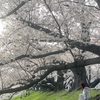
{"x":61,"y":95}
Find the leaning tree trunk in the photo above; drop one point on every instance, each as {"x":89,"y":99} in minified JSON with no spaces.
{"x":79,"y":77}
{"x":60,"y":80}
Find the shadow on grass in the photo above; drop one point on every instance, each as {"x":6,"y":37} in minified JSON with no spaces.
{"x":97,"y":97}
{"x":50,"y":93}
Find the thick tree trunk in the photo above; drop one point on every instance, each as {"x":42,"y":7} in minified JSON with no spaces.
{"x":79,"y":77}
{"x":60,"y":80}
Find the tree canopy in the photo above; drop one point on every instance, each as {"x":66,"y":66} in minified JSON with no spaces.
{"x":42,"y":36}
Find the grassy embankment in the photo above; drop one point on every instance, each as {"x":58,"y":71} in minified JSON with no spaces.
{"x":61,"y":95}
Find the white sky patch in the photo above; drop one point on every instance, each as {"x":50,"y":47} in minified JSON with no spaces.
{"x":2,"y":27}
{"x":78,"y":24}
{"x":91,"y":2}
{"x":2,"y":49}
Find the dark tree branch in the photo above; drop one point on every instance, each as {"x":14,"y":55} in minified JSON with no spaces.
{"x":36,"y":56}
{"x":86,"y":47}
{"x":83,"y":4}
{"x":26,"y":71}
{"x":59,"y":27}
{"x":39,"y":28}
{"x":14,"y":10}
{"x":92,"y":48}
{"x":94,"y":83}
{"x":51,"y":69}
{"x":73,"y":43}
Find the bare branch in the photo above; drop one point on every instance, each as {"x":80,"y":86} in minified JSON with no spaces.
{"x":36,"y":56}
{"x":73,"y":43}
{"x":82,"y":4}
{"x":59,"y":27}
{"x":14,"y":10}
{"x":51,"y":69}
